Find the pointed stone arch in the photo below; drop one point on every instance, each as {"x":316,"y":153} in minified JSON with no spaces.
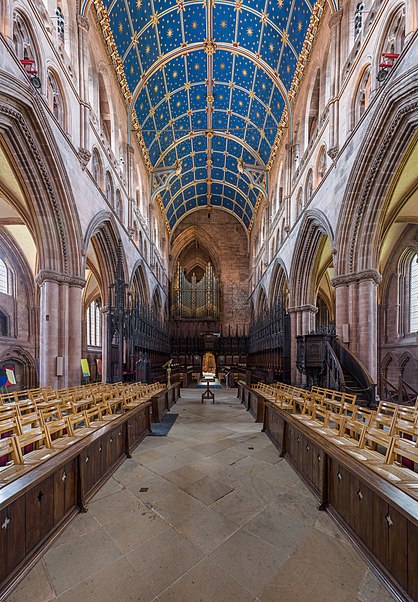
{"x":361,"y":222}
{"x":102,"y":233}
{"x":139,"y":283}
{"x":29,"y":146}
{"x":313,"y":234}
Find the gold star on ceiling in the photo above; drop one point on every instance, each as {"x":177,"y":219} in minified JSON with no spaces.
{"x":264,"y":17}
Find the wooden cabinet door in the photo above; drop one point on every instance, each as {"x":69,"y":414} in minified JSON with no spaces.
{"x":65,"y":490}
{"x":412,"y":547}
{"x":397,"y":527}
{"x":39,"y":512}
{"x":339,"y":489}
{"x":12,"y":536}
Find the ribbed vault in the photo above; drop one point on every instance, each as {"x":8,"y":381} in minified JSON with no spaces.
{"x":209,"y":85}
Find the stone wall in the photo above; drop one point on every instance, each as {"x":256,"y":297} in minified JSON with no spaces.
{"x":226,"y":242}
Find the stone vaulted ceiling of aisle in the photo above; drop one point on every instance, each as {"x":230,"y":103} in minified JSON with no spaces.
{"x":211,"y":83}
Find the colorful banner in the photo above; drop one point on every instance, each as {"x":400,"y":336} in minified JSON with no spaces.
{"x":99,"y":366}
{"x":85,"y":367}
{"x":7,"y":376}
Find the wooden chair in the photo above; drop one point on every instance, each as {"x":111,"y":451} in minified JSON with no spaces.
{"x":372,"y":442}
{"x":59,"y":434}
{"x":13,"y":466}
{"x":34,"y":448}
{"x":350,"y":434}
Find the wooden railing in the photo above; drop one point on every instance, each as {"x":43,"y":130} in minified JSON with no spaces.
{"x":358,"y":370}
{"x":403,"y":393}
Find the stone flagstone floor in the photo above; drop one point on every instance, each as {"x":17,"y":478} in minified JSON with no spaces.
{"x":209,"y":513}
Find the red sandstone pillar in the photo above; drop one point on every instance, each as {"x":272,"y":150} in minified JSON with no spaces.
{"x":367,"y":325}
{"x":59,"y":328}
{"x":74,"y":334}
{"x":48,"y":333}
{"x":356,"y":305}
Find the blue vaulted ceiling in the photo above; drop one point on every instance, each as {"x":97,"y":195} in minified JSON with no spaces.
{"x":209,"y":83}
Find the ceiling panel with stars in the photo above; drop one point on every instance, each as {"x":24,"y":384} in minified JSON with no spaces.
{"x":210,"y":86}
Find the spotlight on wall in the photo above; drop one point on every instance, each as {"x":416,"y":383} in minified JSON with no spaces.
{"x":388,"y":61}
{"x":121,"y":160}
{"x":35,"y":81}
{"x":382,"y":74}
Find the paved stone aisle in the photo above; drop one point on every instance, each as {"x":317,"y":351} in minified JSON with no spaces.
{"x":209,"y":513}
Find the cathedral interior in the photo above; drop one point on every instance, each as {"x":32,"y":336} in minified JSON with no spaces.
{"x":208,"y":300}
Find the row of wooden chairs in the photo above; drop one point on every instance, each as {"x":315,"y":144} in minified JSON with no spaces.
{"x":385,"y":439}
{"x":35,"y":427}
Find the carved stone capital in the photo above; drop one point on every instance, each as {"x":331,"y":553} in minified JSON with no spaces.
{"x":346,"y":279}
{"x":83,"y":22}
{"x":335,"y":19}
{"x":84,"y":156}
{"x":301,"y":308}
{"x":333,"y":152}
{"x":52,"y":276}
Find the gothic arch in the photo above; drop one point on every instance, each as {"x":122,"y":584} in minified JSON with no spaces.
{"x":362,"y":218}
{"x":261,"y":303}
{"x":198,"y":234}
{"x":50,"y":213}
{"x":312,"y":236}
{"x":102,"y":233}
{"x":139,"y":283}
{"x":21,"y":356}
{"x":278,"y":283}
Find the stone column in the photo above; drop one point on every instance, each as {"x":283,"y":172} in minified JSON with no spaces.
{"x":335,"y":51}
{"x":131,"y":177}
{"x":6,"y":20}
{"x":411,"y":18}
{"x":367,"y":322}
{"x":74,"y":334}
{"x":105,"y":346}
{"x":357,"y":307}
{"x":295,"y":375}
{"x":83,"y":76}
{"x":341,"y":307}
{"x":60,"y":328}
{"x":49,"y":333}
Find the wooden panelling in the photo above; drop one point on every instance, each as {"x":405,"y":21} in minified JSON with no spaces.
{"x":12,"y":536}
{"x":163,"y":401}
{"x":35,"y":507}
{"x":381,"y":518}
